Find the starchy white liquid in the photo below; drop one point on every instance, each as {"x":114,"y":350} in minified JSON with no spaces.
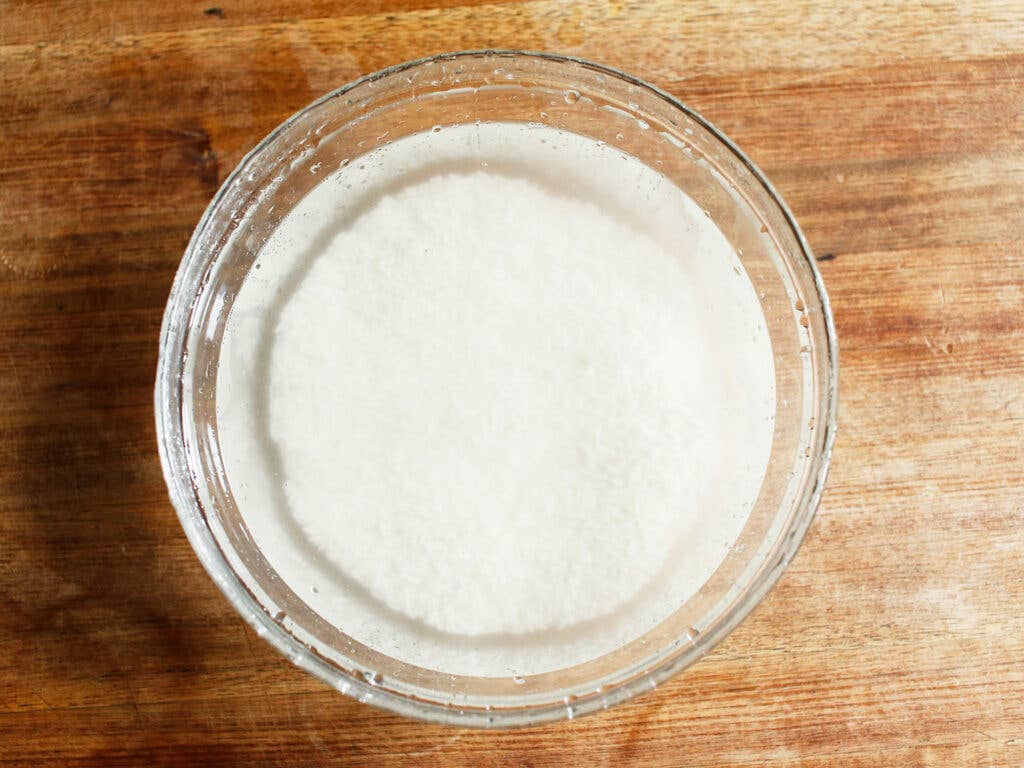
{"x":497,"y":400}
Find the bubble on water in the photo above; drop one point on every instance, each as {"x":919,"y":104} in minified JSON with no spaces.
{"x":571,"y":96}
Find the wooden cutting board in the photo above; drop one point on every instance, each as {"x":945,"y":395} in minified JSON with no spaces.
{"x":896,"y":133}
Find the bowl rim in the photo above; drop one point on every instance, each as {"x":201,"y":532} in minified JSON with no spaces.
{"x":168,"y":401}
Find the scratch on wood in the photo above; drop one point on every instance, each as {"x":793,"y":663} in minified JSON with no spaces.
{"x":435,"y":748}
{"x":980,"y":732}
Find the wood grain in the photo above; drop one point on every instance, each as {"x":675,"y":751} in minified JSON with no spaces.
{"x":896,"y":133}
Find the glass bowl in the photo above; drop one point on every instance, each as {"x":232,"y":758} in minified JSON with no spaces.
{"x":568,"y":94}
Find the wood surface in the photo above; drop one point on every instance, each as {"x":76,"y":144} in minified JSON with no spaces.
{"x":895,"y":132}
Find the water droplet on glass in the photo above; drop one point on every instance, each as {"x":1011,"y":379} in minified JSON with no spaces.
{"x":518,"y":679}
{"x":315,"y":590}
{"x":644,"y":125}
{"x":373,"y":678}
{"x":315,"y":167}
{"x":436,"y":129}
{"x":571,"y":96}
{"x":619,"y":136}
{"x":280,"y":615}
{"x":692,"y":633}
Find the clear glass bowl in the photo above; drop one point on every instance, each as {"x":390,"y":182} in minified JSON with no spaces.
{"x":568,"y":94}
